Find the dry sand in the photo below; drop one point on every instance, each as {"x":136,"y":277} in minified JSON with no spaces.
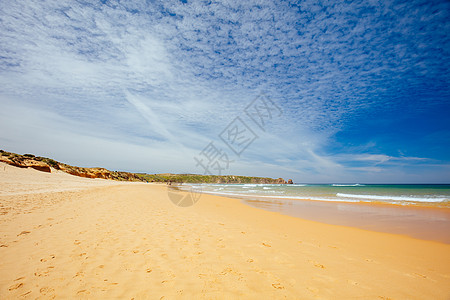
{"x":67,"y":237}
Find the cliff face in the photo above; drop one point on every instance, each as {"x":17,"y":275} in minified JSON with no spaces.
{"x":196,"y":178}
{"x":24,"y":161}
{"x":46,"y":164}
{"x":241,"y":180}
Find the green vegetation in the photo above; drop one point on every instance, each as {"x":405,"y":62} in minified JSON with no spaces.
{"x":51,"y":162}
{"x":7,"y":154}
{"x":196,"y":178}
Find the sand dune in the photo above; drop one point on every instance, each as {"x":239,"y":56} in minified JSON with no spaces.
{"x":18,"y":181}
{"x":67,"y":237}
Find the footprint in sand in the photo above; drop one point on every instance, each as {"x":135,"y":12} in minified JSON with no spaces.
{"x":46,"y":290}
{"x":226,"y":271}
{"x":278,"y":286}
{"x":83,"y":292}
{"x":43,"y":273}
{"x":316,"y":264}
{"x":352,"y":282}
{"x":23,"y":232}
{"x":79,"y":274}
{"x":15,"y":286}
{"x":51,"y":256}
{"x":23,"y":295}
{"x":267,"y":245}
{"x":419,"y":275}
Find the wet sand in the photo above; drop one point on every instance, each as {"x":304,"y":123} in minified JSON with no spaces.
{"x":103,"y":240}
{"x":428,"y":223}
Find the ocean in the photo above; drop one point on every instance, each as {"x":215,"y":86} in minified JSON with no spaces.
{"x":435,"y":194}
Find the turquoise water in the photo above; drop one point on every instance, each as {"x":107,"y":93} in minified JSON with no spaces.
{"x":389,"y":193}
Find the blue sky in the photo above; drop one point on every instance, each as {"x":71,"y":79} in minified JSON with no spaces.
{"x":363,"y":86}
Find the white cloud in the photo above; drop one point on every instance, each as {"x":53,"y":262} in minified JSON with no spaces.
{"x":167,"y":78}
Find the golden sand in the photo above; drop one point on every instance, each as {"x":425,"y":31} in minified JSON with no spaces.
{"x":68,"y":237}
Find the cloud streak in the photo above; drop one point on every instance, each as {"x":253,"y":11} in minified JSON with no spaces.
{"x":169,"y":77}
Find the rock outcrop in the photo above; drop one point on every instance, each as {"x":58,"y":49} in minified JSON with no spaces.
{"x":25,"y":162}
{"x":46,"y":164}
{"x":40,"y":167}
{"x":99,"y":173}
{"x":290,"y":181}
{"x":280,"y":181}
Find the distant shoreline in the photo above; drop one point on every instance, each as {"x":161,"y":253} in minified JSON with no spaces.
{"x":45,"y":164}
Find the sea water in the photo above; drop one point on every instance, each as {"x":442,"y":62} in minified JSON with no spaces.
{"x":388,"y":193}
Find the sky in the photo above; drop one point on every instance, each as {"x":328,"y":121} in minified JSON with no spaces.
{"x":316,"y":91}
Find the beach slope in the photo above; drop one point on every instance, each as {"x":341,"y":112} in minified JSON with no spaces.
{"x":68,"y":237}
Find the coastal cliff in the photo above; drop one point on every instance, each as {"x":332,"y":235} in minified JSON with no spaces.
{"x":196,"y":178}
{"x":47,"y":164}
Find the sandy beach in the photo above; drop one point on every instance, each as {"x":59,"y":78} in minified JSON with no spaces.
{"x":66,"y":237}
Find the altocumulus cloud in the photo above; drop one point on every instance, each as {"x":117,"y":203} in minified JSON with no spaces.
{"x":145,"y":85}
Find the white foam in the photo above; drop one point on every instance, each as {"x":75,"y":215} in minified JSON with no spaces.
{"x":249,"y":190}
{"x":274,"y":197}
{"x":393,"y":198}
{"x":356,"y":184}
